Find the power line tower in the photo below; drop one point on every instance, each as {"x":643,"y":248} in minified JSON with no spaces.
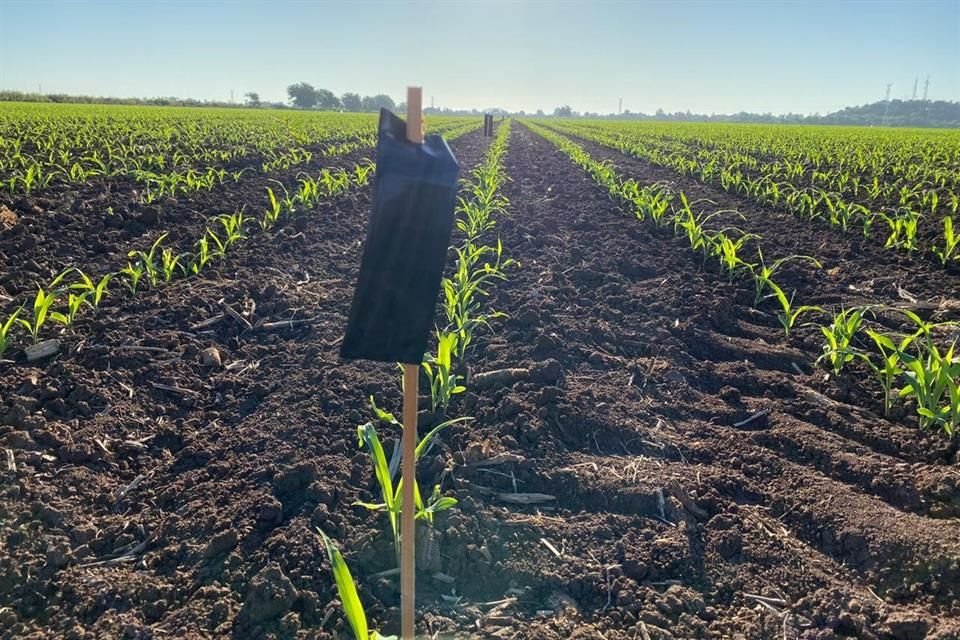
{"x":915,"y":81}
{"x":926,"y":88}
{"x":620,"y":107}
{"x":886,"y":109}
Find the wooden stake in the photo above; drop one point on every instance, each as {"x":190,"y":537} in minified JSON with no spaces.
{"x":411,"y":380}
{"x":415,"y":114}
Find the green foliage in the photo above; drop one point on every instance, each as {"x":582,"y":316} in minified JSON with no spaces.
{"x":838,"y":335}
{"x":347,"y":591}
{"x":6,"y":330}
{"x":390,"y":491}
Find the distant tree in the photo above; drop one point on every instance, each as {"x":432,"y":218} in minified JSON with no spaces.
{"x":351,"y":102}
{"x":302,"y":95}
{"x":563,"y":112}
{"x":253,"y":98}
{"x":374,"y":103}
{"x":327,"y":101}
{"x":540,"y":113}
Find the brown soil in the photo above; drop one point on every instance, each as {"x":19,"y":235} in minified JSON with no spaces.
{"x":188,"y":509}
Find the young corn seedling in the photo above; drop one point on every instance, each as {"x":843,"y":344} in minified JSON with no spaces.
{"x":948,"y":251}
{"x":362,"y":172}
{"x":347,"y":591}
{"x":931,"y":200}
{"x":391,"y":493}
{"x":889,"y":369}
{"x":272,"y":214}
{"x":41,"y":308}
{"x":309,"y":192}
{"x":232,"y":224}
{"x":444,"y":383}
{"x":789,"y":314}
{"x":727,"y":250}
{"x":148,"y":261}
{"x":932,"y":381}
{"x":170,"y":263}
{"x":74,"y":303}
{"x":6,"y":330}
{"x":902,"y":227}
{"x":133,"y":273}
{"x":763,"y":273}
{"x":333,"y":182}
{"x":838,"y":336}
{"x":202,"y":257}
{"x":96,"y":291}
{"x":216,"y":246}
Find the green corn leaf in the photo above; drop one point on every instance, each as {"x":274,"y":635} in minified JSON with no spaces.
{"x":347,"y":590}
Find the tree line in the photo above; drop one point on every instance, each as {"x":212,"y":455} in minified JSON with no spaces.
{"x":305,"y":96}
{"x":893,"y":113}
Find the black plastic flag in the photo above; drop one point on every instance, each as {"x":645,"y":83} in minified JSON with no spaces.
{"x":406,"y":247}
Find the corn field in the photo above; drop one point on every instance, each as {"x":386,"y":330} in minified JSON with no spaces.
{"x":686,"y":381}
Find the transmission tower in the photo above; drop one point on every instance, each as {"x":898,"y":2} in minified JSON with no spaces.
{"x":620,"y":107}
{"x":886,"y":109}
{"x":926,"y":88}
{"x":915,"y":81}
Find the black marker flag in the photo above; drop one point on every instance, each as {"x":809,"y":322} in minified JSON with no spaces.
{"x":406,"y":247}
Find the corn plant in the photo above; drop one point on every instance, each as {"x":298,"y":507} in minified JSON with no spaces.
{"x":889,"y":369}
{"x":272,"y":214}
{"x":217,"y":247}
{"x":6,"y":330}
{"x":42,"y":302}
{"x":789,"y":314}
{"x":444,"y":382}
{"x":362,"y":172}
{"x":931,"y":379}
{"x":202,"y":257}
{"x":96,"y":291}
{"x":724,"y":247}
{"x":902,"y":227}
{"x":309,"y":192}
{"x":232,"y":224}
{"x":170,"y":263}
{"x":838,"y":338}
{"x":763,"y":273}
{"x":148,"y":260}
{"x":347,"y":591}
{"x":950,"y":242}
{"x":133,"y":273}
{"x":391,"y":493}
{"x":74,"y":303}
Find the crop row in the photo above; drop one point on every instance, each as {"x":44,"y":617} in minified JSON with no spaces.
{"x":845,"y":159}
{"x":478,"y":264}
{"x":776,"y":184}
{"x":908,"y":364}
{"x":41,"y":145}
{"x":62,"y":300}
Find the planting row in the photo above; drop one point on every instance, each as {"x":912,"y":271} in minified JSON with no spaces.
{"x":909,"y":361}
{"x":479,"y":263}
{"x":914,"y":217}
{"x":167,"y":150}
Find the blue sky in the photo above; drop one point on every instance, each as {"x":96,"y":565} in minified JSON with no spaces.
{"x":518,"y":54}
